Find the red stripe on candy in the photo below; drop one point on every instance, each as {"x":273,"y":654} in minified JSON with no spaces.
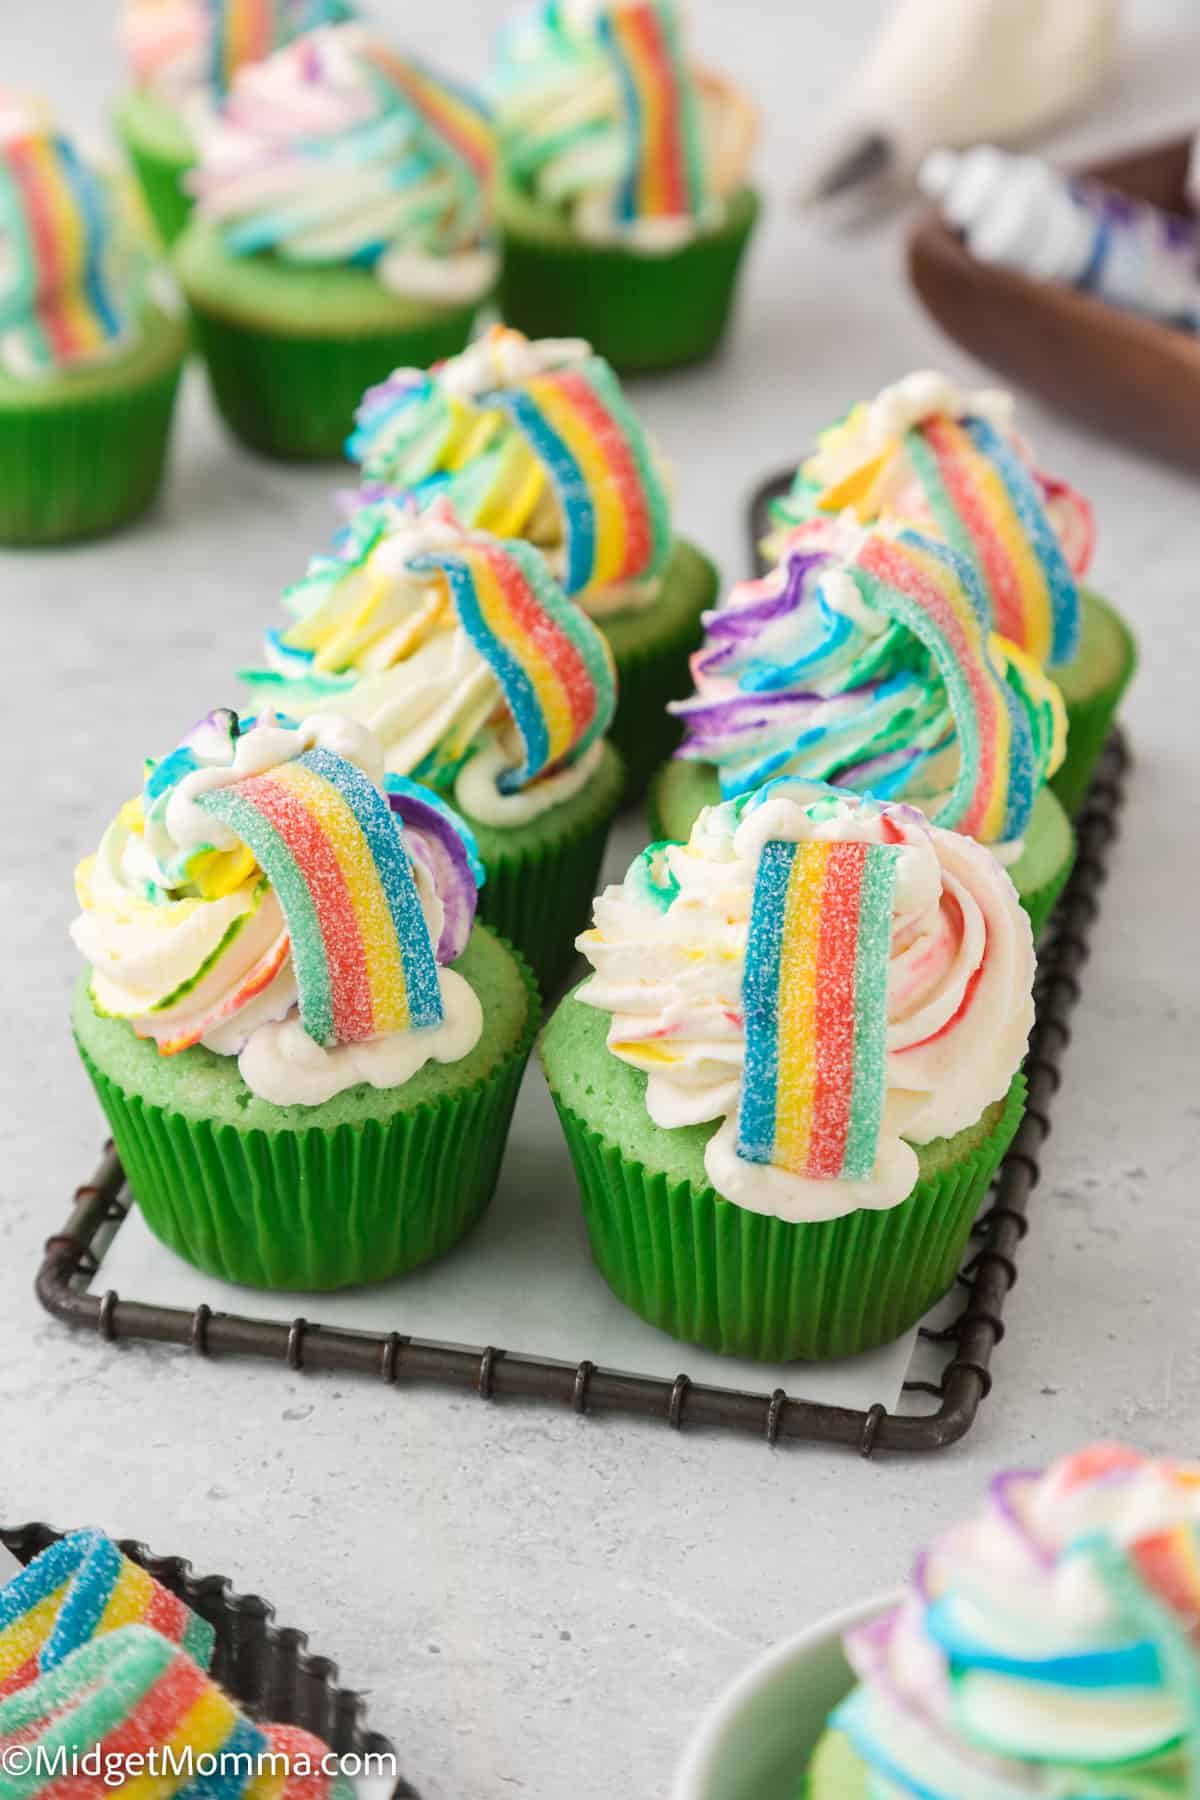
{"x":52,"y":319}
{"x":837,"y":950}
{"x":166,"y":1613}
{"x":646,"y":27}
{"x":568,"y":665}
{"x":19,"y":1678}
{"x":147,"y":1727}
{"x":888,"y":563}
{"x":620,"y":458}
{"x":349,"y":980}
{"x":957,"y":460}
{"x":1164,"y":1570}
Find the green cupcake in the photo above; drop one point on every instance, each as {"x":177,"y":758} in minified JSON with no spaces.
{"x":182,"y":56}
{"x":537,"y":440}
{"x":925,"y":452}
{"x":307,"y":1055}
{"x":863,"y":660}
{"x":89,"y":358}
{"x":623,"y":206}
{"x":317,"y":260}
{"x":482,"y":680}
{"x":793,"y":1181}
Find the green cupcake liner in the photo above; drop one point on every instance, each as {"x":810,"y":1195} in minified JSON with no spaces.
{"x":542,"y":877}
{"x":161,"y":153}
{"x":740,"y":1283}
{"x":294,"y":397}
{"x":84,"y":454}
{"x":652,"y":649}
{"x":1090,"y":715}
{"x":318,"y":1207}
{"x":642,"y":312}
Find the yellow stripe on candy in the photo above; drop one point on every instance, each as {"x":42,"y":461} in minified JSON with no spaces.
{"x":203,"y":1729}
{"x":796,"y":1032}
{"x":128,"y":1601}
{"x":1006,"y":654}
{"x":607,"y":502}
{"x":650,"y":100}
{"x":500,"y":621}
{"x":335,"y":817}
{"x":1037,"y":609}
{"x":26,"y":1635}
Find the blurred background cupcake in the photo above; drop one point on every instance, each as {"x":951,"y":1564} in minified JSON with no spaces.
{"x":481,"y":679}
{"x":535,"y":439}
{"x":953,"y":463}
{"x":307,"y":1053}
{"x":182,"y":56}
{"x":624,"y":204}
{"x":341,"y":228}
{"x":865,"y":660}
{"x":91,"y":339}
{"x":792,"y":1076}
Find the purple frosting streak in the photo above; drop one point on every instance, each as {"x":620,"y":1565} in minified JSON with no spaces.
{"x":433,"y":841}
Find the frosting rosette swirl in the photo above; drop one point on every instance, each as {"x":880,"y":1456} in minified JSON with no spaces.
{"x":76,"y":270}
{"x":338,"y":150}
{"x":603,"y":119}
{"x":529,"y":438}
{"x":927,"y":453}
{"x":832,"y":979}
{"x":458,"y":650}
{"x":1047,"y":1647}
{"x":185,"y":49}
{"x":865,"y":659}
{"x":272,"y":895}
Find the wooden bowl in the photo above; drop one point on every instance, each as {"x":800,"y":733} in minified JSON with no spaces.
{"x":1127,"y":376}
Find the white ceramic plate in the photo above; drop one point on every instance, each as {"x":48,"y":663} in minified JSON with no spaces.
{"x":757,"y":1739}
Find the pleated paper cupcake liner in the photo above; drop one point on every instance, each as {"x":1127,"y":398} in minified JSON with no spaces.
{"x":652,"y":651}
{"x":542,"y":877}
{"x":294,"y":397}
{"x":80,"y":468}
{"x":642,"y":312}
{"x":743,"y":1284}
{"x":318,"y":1207}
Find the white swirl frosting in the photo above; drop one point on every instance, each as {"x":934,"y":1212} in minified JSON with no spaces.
{"x":668,"y":948}
{"x":187,"y":940}
{"x":1046,"y":1647}
{"x":327,"y":153}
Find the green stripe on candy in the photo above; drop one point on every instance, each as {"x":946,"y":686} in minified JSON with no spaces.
{"x":871,"y":965}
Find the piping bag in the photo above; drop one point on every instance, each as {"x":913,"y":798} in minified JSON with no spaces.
{"x":946,"y":73}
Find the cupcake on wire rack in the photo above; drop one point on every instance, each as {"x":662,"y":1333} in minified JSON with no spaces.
{"x":927,"y":453}
{"x":342,"y":227}
{"x":536,"y":439}
{"x":182,"y":56}
{"x":307,"y":1052}
{"x":624,"y":203}
{"x":866,"y":660}
{"x":482,"y":680}
{"x":91,"y":339}
{"x":788,"y":1083}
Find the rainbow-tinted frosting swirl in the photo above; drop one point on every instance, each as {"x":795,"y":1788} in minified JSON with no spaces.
{"x":338,"y":150}
{"x":529,"y":439}
{"x":1048,"y":1647}
{"x":865,"y":659}
{"x":75,"y":269}
{"x":831,"y":980}
{"x":185,"y":49}
{"x":269,"y":895}
{"x":459,"y":650}
{"x":603,"y":119}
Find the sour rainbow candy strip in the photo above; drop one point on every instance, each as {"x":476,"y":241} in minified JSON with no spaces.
{"x":615,"y":513}
{"x":451,"y":112}
{"x":548,"y":657}
{"x":814,"y":995}
{"x":82,"y":1588}
{"x":52,"y":213}
{"x":936,"y":593}
{"x":985,"y":504}
{"x":247,"y":31}
{"x":325,"y":838}
{"x":665,"y":178}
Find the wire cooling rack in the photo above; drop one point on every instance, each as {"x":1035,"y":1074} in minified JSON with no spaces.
{"x":968,"y":1341}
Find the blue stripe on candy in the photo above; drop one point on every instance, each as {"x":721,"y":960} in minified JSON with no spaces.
{"x":1028,"y":506}
{"x":519,"y":691}
{"x":383,"y":840}
{"x":42,"y":1578}
{"x":627,"y":201}
{"x":229,"y":1779}
{"x":760,"y":1003}
{"x":98,"y":1568}
{"x":567,"y":478}
{"x":83,"y":185}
